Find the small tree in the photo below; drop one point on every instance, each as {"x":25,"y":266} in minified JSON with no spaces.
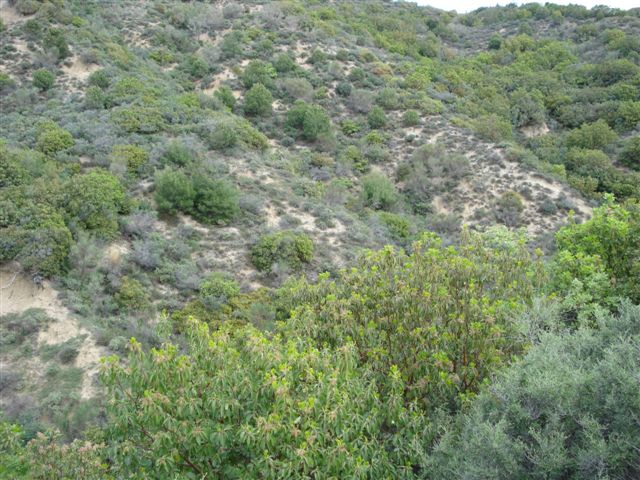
{"x":258,"y":100}
{"x":215,"y":201}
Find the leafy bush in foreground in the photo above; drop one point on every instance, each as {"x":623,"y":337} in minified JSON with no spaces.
{"x":566,"y":410}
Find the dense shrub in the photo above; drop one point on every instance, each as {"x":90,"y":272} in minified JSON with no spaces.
{"x":378,"y":192}
{"x":258,"y":71}
{"x":214,"y":201}
{"x":174,"y":192}
{"x":410,"y":118}
{"x":630,"y":154}
{"x":222,"y":136}
{"x":287,"y":248}
{"x":553,"y":414}
{"x":266,"y":392}
{"x":442,"y":316}
{"x":612,"y":235}
{"x":93,"y":201}
{"x":309,"y":121}
{"x":176,"y":153}
{"x":217,"y":290}
{"x":134,"y":158}
{"x":592,"y":136}
{"x":43,"y":79}
{"x":258,"y":100}
{"x":377,"y":118}
{"x":225,"y":95}
{"x":508,"y":209}
{"x":52,"y":139}
{"x":131,"y":295}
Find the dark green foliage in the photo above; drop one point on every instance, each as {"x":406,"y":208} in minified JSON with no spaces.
{"x":174,"y":192}
{"x":258,"y":72}
{"x":630,"y":155}
{"x":100,"y":79}
{"x":134,"y":158}
{"x":562,"y":412}
{"x":43,"y":79}
{"x":495,"y":42}
{"x":258,"y":100}
{"x":286,"y":248}
{"x":214,"y":201}
{"x":376,"y":117}
{"x":410,"y":118}
{"x":309,"y":121}
{"x":131,"y":295}
{"x":177,"y":154}
{"x":56,"y":43}
{"x":527,"y":108}
{"x":283,"y":63}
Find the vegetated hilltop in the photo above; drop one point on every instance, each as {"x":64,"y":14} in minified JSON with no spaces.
{"x":184,"y":172}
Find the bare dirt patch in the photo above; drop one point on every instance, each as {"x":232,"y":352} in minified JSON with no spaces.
{"x":19,"y":293}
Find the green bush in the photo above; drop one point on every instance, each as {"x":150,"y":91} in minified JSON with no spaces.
{"x":132,"y":156}
{"x":258,"y":100}
{"x":225,"y":95}
{"x":52,"y":139}
{"x":218,"y":290}
{"x":592,"y":136}
{"x":398,"y":226}
{"x":630,"y":154}
{"x":138,"y":119}
{"x":214,"y":201}
{"x":177,"y":154}
{"x":265,"y":406}
{"x":43,"y":79}
{"x":613,"y":235}
{"x":423,"y":313}
{"x":93,"y":201}
{"x":131,"y":295}
{"x":95,"y":98}
{"x":174,"y":192}
{"x":258,"y":71}
{"x":100,"y":79}
{"x":376,"y":117}
{"x":378,"y":192}
{"x":222,"y":136}
{"x":309,"y":121}
{"x":288,"y":248}
{"x":410,"y":118}
{"x":283,"y":63}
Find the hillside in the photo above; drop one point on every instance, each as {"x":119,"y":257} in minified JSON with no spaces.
{"x":340,"y":180}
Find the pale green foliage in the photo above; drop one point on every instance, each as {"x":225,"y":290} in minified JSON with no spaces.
{"x":238,"y":404}
{"x":564,"y":411}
